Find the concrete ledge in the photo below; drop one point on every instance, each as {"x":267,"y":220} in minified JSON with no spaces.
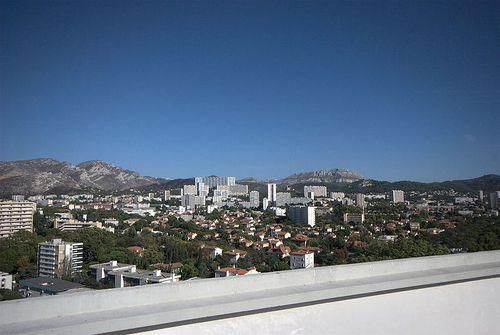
{"x":135,"y":309}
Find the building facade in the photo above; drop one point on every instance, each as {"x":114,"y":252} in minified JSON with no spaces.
{"x":398,"y":196}
{"x":16,"y":216}
{"x":301,"y":260}
{"x":58,"y":258}
{"x":302,"y":214}
{"x":5,"y":281}
{"x":360,"y":200}
{"x":214,"y":181}
{"x":254,"y":199}
{"x":271,"y":193}
{"x":319,"y":191}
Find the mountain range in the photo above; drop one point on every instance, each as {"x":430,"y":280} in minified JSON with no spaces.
{"x":49,"y":176}
{"x":46,"y":175}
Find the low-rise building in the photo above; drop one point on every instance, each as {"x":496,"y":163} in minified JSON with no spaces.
{"x":354,"y":218}
{"x":35,"y":287}
{"x":231,"y":272}
{"x":5,"y":281}
{"x":123,"y":275}
{"x":301,"y":260}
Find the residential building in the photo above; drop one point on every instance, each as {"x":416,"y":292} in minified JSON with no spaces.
{"x":166,"y":195}
{"x":192,"y":201}
{"x":301,"y":260}
{"x":302,"y":214}
{"x":73,"y":224}
{"x":190,"y":189}
{"x":283,"y":198}
{"x":398,"y":196}
{"x":231,"y":272}
{"x":5,"y":281}
{"x":214,"y":181}
{"x":319,"y":191}
{"x":354,"y":218}
{"x":337,"y":195}
{"x":58,"y":258}
{"x":254,"y":199}
{"x":238,"y":189}
{"x":235,"y":254}
{"x":360,"y":200}
{"x":18,"y":198}
{"x":212,"y":252}
{"x":494,"y":200}
{"x":16,"y":216}
{"x":481,"y":196}
{"x":265,"y":203}
{"x":123,"y":275}
{"x":271,"y":193}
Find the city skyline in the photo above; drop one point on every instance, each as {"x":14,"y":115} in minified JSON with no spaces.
{"x":264,"y":89}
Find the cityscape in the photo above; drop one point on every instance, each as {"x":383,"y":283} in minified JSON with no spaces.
{"x":215,"y":226}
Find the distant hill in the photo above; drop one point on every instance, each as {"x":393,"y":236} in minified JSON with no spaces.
{"x":46,"y":175}
{"x":322,"y":176}
{"x":487,"y":183}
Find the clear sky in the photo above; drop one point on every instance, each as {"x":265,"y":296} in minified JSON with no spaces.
{"x":392,"y":89}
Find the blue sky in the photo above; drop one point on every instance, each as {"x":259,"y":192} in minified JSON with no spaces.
{"x":393,"y":89}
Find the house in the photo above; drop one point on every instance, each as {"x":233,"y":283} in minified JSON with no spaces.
{"x":281,"y":251}
{"x":235,"y":254}
{"x":301,"y":240}
{"x":283,"y":235}
{"x":168,"y":267}
{"x":136,"y":249}
{"x":232,"y":271}
{"x":301,"y":260}
{"x":212,"y":251}
{"x":260,"y":245}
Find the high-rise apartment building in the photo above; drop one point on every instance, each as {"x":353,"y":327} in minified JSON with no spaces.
{"x":494,"y":200}
{"x":302,"y":214}
{"x":254,"y":199}
{"x":398,"y":196}
{"x":271,"y":193}
{"x":58,"y":258}
{"x":283,"y":199}
{"x":360,"y":200}
{"x":481,"y":196}
{"x":214,"y":181}
{"x":190,"y":189}
{"x":319,"y":191}
{"x":16,"y":216}
{"x":192,"y":201}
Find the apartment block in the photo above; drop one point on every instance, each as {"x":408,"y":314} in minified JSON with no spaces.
{"x":398,"y":196}
{"x":16,"y":216}
{"x":319,"y":191}
{"x":302,"y":214}
{"x":57,"y":258}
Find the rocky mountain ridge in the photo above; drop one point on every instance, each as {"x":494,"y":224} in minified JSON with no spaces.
{"x":38,"y":176}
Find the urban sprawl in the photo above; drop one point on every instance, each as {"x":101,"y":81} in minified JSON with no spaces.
{"x":55,"y":244}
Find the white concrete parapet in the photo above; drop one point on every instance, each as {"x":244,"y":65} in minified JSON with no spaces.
{"x":167,"y":305}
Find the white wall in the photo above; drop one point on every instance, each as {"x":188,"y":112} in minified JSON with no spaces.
{"x":465,"y":308}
